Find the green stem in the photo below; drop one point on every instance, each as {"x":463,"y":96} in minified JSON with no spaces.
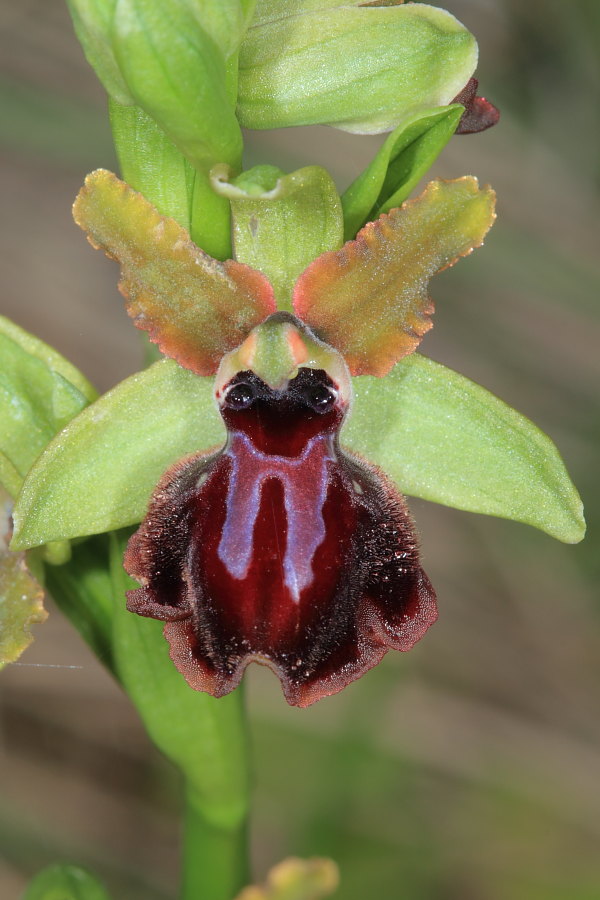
{"x":215,"y":857}
{"x":210,"y":218}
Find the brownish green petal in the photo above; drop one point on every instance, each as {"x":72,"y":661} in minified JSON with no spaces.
{"x":370,"y":299}
{"x":192,"y":306}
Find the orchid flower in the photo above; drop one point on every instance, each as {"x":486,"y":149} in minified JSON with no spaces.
{"x":282,"y":546}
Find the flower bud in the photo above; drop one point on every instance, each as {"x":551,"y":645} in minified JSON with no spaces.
{"x":361,"y":69}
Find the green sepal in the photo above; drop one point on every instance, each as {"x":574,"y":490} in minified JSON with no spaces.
{"x":361,"y":69}
{"x":203,"y":736}
{"x":64,"y":882}
{"x":281,"y":223}
{"x":402,"y":160}
{"x":40,"y":392}
{"x":92,"y":20}
{"x":176,"y":72}
{"x":446,"y":439}
{"x":98,"y":474}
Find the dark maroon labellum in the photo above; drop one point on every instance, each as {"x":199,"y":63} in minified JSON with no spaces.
{"x":280,"y":549}
{"x":479,"y":113}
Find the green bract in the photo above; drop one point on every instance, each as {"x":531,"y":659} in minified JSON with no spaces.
{"x":399,"y":165}
{"x":61,"y":882}
{"x":362,"y":69}
{"x":93,"y":25}
{"x":141,"y":147}
{"x":176,"y":72}
{"x":443,"y":438}
{"x":282,"y":222}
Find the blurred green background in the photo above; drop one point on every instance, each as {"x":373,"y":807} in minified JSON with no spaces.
{"x":468,"y":769}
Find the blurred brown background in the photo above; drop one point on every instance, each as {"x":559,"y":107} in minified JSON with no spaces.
{"x":468,"y":769}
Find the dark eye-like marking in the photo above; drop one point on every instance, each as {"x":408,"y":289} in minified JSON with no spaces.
{"x":240,"y":396}
{"x":319,"y":397}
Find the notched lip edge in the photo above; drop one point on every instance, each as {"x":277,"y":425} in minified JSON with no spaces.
{"x":372,"y":647}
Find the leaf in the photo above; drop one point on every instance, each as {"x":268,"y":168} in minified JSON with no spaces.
{"x":281,"y":223}
{"x":93,"y":20}
{"x":443,"y":438}
{"x":82,"y":591}
{"x":99,"y":472}
{"x":176,"y":73}
{"x":361,"y":69}
{"x":192,"y":306}
{"x":52,"y":359}
{"x":225,"y":21}
{"x":64,"y":882}
{"x":21,"y":595}
{"x":38,"y":397}
{"x":370,"y":298}
{"x":204,"y":737}
{"x":296,"y":879}
{"x":402,"y":160}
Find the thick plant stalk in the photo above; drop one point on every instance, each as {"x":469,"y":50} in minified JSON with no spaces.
{"x":215,"y":857}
